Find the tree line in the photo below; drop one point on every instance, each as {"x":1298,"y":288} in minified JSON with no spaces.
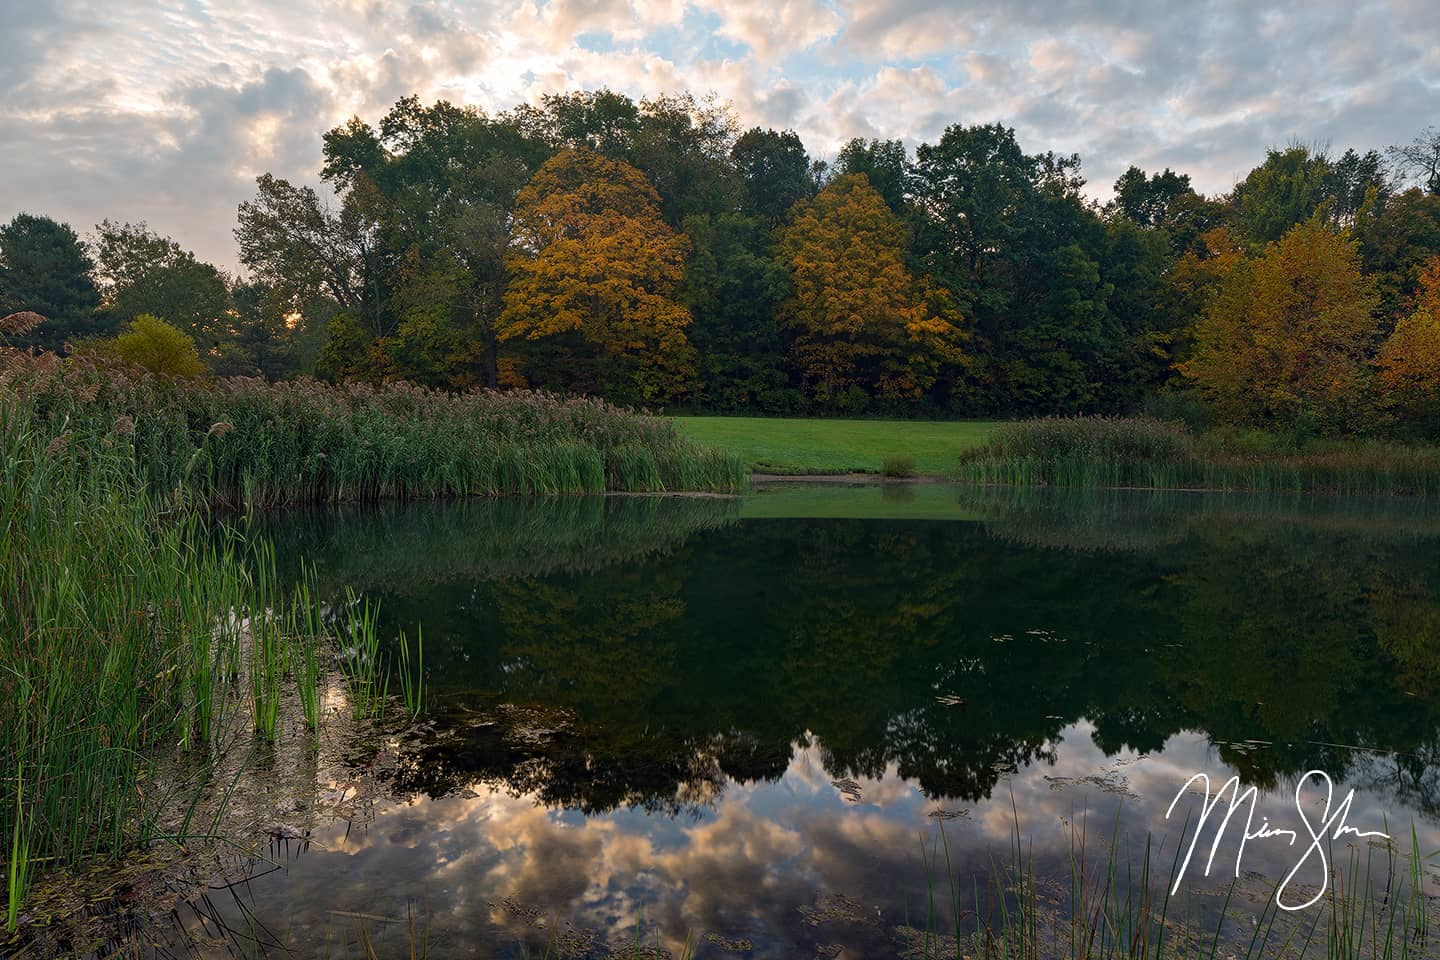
{"x":656,"y":253}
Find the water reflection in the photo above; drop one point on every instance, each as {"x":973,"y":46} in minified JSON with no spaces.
{"x":650,"y":708}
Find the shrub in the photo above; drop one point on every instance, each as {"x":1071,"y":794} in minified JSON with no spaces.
{"x":898,"y":466}
{"x":157,"y":346}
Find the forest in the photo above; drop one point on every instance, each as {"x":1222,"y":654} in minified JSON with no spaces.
{"x":657,"y":253}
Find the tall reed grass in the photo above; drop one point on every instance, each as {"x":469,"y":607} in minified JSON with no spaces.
{"x":127,"y":631}
{"x":1143,"y":452}
{"x":244,"y":441}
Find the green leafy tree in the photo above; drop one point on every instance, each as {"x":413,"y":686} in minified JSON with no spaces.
{"x":1009,"y":233}
{"x":1395,"y":245}
{"x":446,"y":185}
{"x":45,"y":269}
{"x":1147,"y":201}
{"x":884,"y":163}
{"x":600,"y":120}
{"x":1135,"y":354}
{"x":157,"y":346}
{"x":1354,"y":184}
{"x":1282,"y":192}
{"x":733,"y":285}
{"x":775,"y":170}
{"x":414,"y":258}
{"x":146,"y":273}
{"x":683,"y":146}
{"x":304,"y":251}
{"x":269,"y":339}
{"x":1298,"y":183}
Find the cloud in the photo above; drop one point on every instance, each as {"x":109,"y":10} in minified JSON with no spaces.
{"x":131,"y":110}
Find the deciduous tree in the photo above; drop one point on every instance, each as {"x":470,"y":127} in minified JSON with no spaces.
{"x":775,"y":170}
{"x":855,"y":317}
{"x":733,"y":284}
{"x":1420,"y":159}
{"x":1409,"y":360}
{"x":146,"y":273}
{"x":884,"y":163}
{"x":1146,"y":201}
{"x":594,"y":275}
{"x":1287,"y":335}
{"x":150,"y":342}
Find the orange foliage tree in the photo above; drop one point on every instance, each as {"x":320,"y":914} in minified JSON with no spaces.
{"x":1286,"y":335}
{"x":1409,"y":360}
{"x":593,"y":276}
{"x":855,"y":315}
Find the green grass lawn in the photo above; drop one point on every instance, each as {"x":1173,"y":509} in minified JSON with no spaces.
{"x":837,"y":446}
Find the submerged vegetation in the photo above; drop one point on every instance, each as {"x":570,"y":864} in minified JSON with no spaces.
{"x":1149,"y":453}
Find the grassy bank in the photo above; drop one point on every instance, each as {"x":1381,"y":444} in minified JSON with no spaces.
{"x":246,"y":441}
{"x":837,"y":446}
{"x":1154,"y":454}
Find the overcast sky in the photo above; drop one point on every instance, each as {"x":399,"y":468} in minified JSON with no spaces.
{"x":166,"y":110}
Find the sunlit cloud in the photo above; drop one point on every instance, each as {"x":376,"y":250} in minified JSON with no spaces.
{"x":166,"y":112}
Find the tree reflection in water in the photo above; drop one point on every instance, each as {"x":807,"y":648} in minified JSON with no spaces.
{"x":765,"y":684}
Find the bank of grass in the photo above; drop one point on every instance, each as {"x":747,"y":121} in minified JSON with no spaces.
{"x":1147,"y":453}
{"x":243,"y":441}
{"x":813,"y":446}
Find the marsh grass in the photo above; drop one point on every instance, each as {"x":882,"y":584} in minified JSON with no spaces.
{"x":242,"y":442}
{"x":128,"y":632}
{"x":1143,"y":452}
{"x":361,"y":663}
{"x":128,"y":628}
{"x":898,"y":466}
{"x":410,"y":670}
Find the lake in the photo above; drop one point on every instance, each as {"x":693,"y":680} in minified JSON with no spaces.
{"x":809,"y":721}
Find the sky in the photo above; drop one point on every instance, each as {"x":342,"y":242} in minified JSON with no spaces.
{"x":167,"y":110}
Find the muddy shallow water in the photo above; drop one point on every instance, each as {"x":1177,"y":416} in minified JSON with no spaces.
{"x":793,"y":724}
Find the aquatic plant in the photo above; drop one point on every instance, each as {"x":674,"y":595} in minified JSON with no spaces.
{"x":1147,"y":453}
{"x":247,"y":442}
{"x":127,"y":627}
{"x":898,"y":466}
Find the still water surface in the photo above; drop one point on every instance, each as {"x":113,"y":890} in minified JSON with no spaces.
{"x":756,"y":723}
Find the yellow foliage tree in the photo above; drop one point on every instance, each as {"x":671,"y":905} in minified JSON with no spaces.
{"x":1409,"y":360}
{"x":1286,"y":335}
{"x":150,"y":342}
{"x":856,"y":316}
{"x":593,"y":275}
